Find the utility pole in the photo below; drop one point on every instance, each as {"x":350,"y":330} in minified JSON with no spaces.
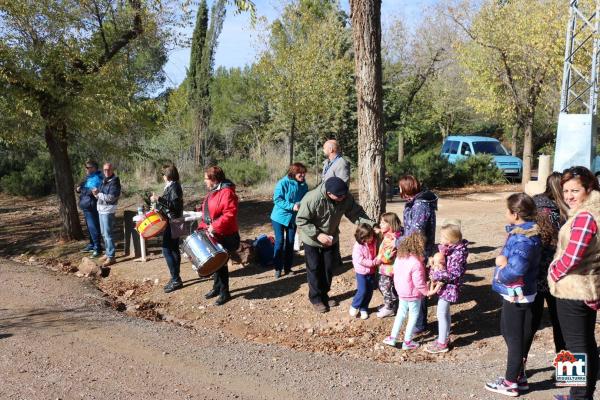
{"x":577,"y":126}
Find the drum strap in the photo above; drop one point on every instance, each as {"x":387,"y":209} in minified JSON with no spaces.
{"x":206,"y":213}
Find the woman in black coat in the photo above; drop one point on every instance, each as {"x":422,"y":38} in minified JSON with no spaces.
{"x":172,"y":202}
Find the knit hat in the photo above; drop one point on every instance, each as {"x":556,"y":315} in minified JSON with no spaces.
{"x":336,"y":186}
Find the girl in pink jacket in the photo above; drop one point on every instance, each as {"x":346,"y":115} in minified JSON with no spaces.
{"x":411,"y":286}
{"x":365,"y":261}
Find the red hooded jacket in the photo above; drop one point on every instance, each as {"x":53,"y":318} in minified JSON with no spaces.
{"x":222,"y":205}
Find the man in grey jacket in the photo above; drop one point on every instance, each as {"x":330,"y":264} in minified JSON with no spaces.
{"x":108,"y":196}
{"x":318,"y":221}
{"x":335,"y":164}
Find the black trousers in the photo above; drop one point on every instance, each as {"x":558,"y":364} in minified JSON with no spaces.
{"x":320,"y":266}
{"x":221,"y":276}
{"x":516,"y":328}
{"x":538,"y":312}
{"x":170,"y":250}
{"x":577,"y":322}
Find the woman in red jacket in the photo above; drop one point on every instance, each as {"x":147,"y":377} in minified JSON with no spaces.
{"x":219,"y":217}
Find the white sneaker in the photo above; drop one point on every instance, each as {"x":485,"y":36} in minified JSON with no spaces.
{"x":353,"y":312}
{"x":385,"y":312}
{"x":364,"y":315}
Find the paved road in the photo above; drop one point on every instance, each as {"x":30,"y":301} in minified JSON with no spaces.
{"x":59,"y":341}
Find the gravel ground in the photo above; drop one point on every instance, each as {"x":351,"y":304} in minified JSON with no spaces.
{"x":62,"y":338}
{"x":58,"y":340}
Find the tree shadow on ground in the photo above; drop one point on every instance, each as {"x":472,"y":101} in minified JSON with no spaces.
{"x":481,"y":249}
{"x":547,"y":384}
{"x":480,"y":321}
{"x":487,"y":263}
{"x":255,"y":213}
{"x":287,"y":284}
{"x":71,"y":318}
{"x":195,"y":281}
{"x":5,"y":335}
{"x":272,"y":288}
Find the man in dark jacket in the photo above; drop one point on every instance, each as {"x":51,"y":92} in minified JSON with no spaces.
{"x":318,"y":220}
{"x":108,"y":196}
{"x":87,"y":204}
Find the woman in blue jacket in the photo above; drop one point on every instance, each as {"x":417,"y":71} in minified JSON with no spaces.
{"x":517,"y":266}
{"x":288,"y":192}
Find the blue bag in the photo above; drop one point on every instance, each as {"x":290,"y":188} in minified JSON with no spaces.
{"x":264,"y":247}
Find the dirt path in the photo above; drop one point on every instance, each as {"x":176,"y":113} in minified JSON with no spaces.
{"x":59,"y":340}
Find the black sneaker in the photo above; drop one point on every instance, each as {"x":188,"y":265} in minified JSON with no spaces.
{"x":224,"y":298}
{"x":172,"y":286}
{"x":211,"y":294}
{"x":277,"y":274}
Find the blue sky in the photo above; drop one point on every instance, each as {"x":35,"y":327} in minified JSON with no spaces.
{"x":238,"y":41}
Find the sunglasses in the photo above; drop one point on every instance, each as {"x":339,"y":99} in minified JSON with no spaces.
{"x":576,"y":171}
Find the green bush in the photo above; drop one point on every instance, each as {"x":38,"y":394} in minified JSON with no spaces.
{"x":36,"y":179}
{"x":244,"y":172}
{"x":434,"y":170}
{"x":480,"y":169}
{"x":430,"y":168}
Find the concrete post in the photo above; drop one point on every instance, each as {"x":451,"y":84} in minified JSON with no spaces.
{"x":544,"y":170}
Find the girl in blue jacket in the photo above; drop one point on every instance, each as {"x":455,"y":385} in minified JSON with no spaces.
{"x":520,"y":259}
{"x":288,"y":192}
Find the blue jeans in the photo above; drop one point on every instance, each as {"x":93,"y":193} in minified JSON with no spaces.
{"x":107,"y":224}
{"x":283,"y":253}
{"x":365,"y":284}
{"x":421,"y":324}
{"x":412,"y":309}
{"x":443,"y":317}
{"x":170,"y":250}
{"x":92,"y":220}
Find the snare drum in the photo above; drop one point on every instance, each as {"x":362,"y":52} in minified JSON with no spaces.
{"x":205,"y":253}
{"x":153,"y":224}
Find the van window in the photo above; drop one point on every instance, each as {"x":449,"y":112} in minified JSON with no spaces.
{"x":493,"y":148}
{"x":464,"y":148}
{"x":450,"y":147}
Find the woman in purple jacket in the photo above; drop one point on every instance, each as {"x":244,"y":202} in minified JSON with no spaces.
{"x":419,"y":216}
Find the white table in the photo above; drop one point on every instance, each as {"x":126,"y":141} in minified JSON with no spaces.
{"x":188,"y":215}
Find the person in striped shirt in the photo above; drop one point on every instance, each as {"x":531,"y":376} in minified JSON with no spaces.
{"x":574,"y":275}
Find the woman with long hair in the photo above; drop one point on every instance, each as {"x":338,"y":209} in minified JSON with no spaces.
{"x":574,"y":275}
{"x":419,"y":216}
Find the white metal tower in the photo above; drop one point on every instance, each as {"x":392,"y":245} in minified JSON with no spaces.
{"x":576,"y":136}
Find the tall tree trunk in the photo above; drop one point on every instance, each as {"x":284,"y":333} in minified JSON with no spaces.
{"x":292,"y":135}
{"x":514,"y":140}
{"x":527,"y":146}
{"x":197,"y":144}
{"x":205,"y":139}
{"x":400,"y":147}
{"x":366,"y":36}
{"x":317,"y":175}
{"x":56,"y":140}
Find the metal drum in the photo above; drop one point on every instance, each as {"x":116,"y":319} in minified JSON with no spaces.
{"x":205,"y":253}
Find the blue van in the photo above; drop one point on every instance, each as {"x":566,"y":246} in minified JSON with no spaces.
{"x":458,"y":148}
